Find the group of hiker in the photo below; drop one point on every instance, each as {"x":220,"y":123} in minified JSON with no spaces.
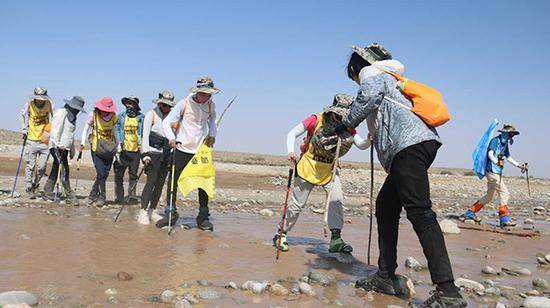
{"x":401,"y":127}
{"x":166,"y":136}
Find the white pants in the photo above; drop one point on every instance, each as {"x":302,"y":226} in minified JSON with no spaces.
{"x":300,"y":194}
{"x":495,"y":184}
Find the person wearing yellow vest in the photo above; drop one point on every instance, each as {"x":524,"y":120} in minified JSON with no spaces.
{"x":128,"y":130}
{"x":100,"y":128}
{"x":314,"y":168}
{"x":190,"y":123}
{"x":36,"y":116}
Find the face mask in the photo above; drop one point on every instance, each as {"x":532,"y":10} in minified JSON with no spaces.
{"x":131,"y":111}
{"x":71,"y":113}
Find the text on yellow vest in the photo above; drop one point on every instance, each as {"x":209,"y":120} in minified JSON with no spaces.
{"x":105,"y":130}
{"x":38,"y":119}
{"x":312,"y":166}
{"x":131,"y":136}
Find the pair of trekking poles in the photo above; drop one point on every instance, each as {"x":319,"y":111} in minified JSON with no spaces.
{"x":325,"y":224}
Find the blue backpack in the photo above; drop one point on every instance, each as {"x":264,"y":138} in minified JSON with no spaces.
{"x":480,"y":153}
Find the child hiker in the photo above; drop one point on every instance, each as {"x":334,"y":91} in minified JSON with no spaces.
{"x":62,"y":146}
{"x":406,"y":148}
{"x":156,"y":157}
{"x":189,"y":123}
{"x":128,"y":130}
{"x":35,"y":121}
{"x":314,"y":168}
{"x":498,"y":151}
{"x":100,"y":126}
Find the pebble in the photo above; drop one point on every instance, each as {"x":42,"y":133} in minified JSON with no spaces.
{"x":183,"y":303}
{"x":500,"y":305}
{"x":517,"y":271}
{"x":469,"y":284}
{"x":489,"y":270}
{"x":111,"y":291}
{"x":168,"y":296}
{"x":318,"y":210}
{"x":112,"y":300}
{"x":541,"y":283}
{"x":266,"y":212}
{"x":204,"y":283}
{"x":277,"y":289}
{"x":321,"y":278}
{"x":494,"y":291}
{"x":191,"y":298}
{"x":306,"y":289}
{"x":532,"y":293}
{"x":411,"y":262}
{"x":254,"y":286}
{"x":536,"y":302}
{"x":231,"y":285}
{"x":123,"y":276}
{"x":449,"y":227}
{"x":18,"y":297}
{"x":209,"y":294}
{"x":528,"y":221}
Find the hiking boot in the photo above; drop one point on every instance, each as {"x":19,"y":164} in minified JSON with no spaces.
{"x":99,"y":203}
{"x":338,"y":245}
{"x":439,"y":300}
{"x":284,"y":243}
{"x":506,"y":222}
{"x":164,"y":221}
{"x":120,"y":201}
{"x":378,"y":284}
{"x":132,"y":200}
{"x":204,"y":223}
{"x":72,"y":201}
{"x":155,"y":216}
{"x":143,"y":217}
{"x":30,"y":192}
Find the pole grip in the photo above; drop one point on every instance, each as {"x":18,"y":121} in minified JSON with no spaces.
{"x":290,"y":173}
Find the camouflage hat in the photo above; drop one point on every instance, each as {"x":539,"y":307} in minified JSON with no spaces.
{"x":510,"y":129}
{"x":41,"y":93}
{"x":372,"y":53}
{"x":340,"y":104}
{"x":165,"y":97}
{"x":130,"y":99}
{"x":205,"y":85}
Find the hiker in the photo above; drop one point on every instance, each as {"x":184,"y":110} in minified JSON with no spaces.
{"x":498,"y":151}
{"x":406,"y":148}
{"x":61,"y":147}
{"x":156,"y":157}
{"x":314,"y":168}
{"x":36,"y":117}
{"x":189,"y":123}
{"x":128,"y":131}
{"x":100,"y":126}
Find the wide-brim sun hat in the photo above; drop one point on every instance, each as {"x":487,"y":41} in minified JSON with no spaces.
{"x":76,"y":102}
{"x":165,"y":97}
{"x":372,"y":53}
{"x":106,"y":104}
{"x":340,"y":104}
{"x":130,"y":99}
{"x":509,"y":129}
{"x":41,"y":94}
{"x":205,"y":85}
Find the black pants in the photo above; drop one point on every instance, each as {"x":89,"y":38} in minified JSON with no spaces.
{"x":181,"y":160}
{"x":156,"y":176}
{"x":64,"y":179}
{"x":102,"y":168}
{"x":407,"y":186}
{"x":130,"y":161}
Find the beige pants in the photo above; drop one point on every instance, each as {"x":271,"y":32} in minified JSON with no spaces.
{"x":35,"y":164}
{"x":495,"y":184}
{"x":300,"y":194}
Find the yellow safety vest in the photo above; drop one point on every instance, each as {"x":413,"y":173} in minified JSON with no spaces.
{"x":105,"y":130}
{"x":131,"y":136}
{"x":38,"y":119}
{"x":313,"y":167}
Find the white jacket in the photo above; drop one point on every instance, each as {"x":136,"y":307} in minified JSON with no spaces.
{"x":62,"y":132}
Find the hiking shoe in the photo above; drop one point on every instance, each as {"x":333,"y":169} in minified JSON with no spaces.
{"x":164,"y":221}
{"x":506,"y":221}
{"x":154,"y":215}
{"x":205,"y":224}
{"x":338,"y":245}
{"x":143,"y":217}
{"x":378,"y":284}
{"x":284,"y":243}
{"x":439,"y":300}
{"x":99,"y":203}
{"x":30,"y":192}
{"x":72,"y":201}
{"x":132,"y":200}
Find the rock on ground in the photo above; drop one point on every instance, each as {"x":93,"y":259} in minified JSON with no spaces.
{"x":536,"y":302}
{"x":449,"y":227}
{"x":517,"y":271}
{"x":277,"y":289}
{"x":266,"y":212}
{"x":18,"y":297}
{"x":209,"y":294}
{"x":489,"y":270}
{"x":411,"y":262}
{"x":183,"y":303}
{"x":306,"y":289}
{"x":168,"y":296}
{"x":321,"y":278}
{"x":469,"y":284}
{"x":541,"y":283}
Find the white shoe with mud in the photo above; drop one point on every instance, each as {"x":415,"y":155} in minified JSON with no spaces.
{"x":155,"y":216}
{"x":143,"y":217}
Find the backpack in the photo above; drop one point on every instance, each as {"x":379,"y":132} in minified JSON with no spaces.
{"x":427,"y":102}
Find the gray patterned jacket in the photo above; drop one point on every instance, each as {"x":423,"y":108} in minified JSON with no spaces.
{"x":393,"y":127}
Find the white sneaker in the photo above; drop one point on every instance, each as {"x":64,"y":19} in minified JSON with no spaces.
{"x":155,"y":216}
{"x":143,"y":218}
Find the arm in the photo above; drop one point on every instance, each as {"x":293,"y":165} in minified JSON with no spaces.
{"x":212,"y":127}
{"x":172,"y":117}
{"x":368,"y":100}
{"x":147,"y":125}
{"x":360,"y":143}
{"x":294,"y":133}
{"x":25,"y":118}
{"x":492,"y":157}
{"x":57,"y":127}
{"x":513,"y":162}
{"x":87,"y":129}
{"x":119,"y":130}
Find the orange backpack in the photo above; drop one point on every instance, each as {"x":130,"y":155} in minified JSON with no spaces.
{"x":427,"y":102}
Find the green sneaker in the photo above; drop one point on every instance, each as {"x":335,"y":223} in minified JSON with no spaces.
{"x":284,"y":243}
{"x":338,"y":245}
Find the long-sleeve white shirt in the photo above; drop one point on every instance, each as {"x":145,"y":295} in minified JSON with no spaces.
{"x":152,"y":123}
{"x":298,"y":130}
{"x":62,"y":132}
{"x":494,"y":159}
{"x":198,"y":121}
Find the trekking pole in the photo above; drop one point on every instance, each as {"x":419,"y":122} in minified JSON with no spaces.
{"x":526,"y":171}
{"x":371,"y":200}
{"x":19,"y":165}
{"x":77,"y":169}
{"x":131,"y":188}
{"x":283,"y":220}
{"x":334,"y":168}
{"x":223,"y":112}
{"x":172,"y":177}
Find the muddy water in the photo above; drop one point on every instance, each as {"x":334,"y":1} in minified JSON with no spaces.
{"x":72,"y":258}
